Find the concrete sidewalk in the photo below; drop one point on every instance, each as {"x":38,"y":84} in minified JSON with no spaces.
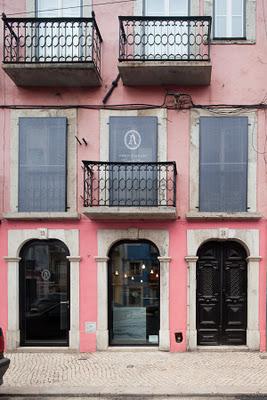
{"x":140,"y":373}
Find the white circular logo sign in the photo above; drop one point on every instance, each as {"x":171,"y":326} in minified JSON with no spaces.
{"x":45,"y":274}
{"x":132,"y":139}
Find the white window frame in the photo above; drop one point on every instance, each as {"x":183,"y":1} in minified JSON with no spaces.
{"x":229,"y":17}
{"x":249,"y":23}
{"x":194,"y":212}
{"x":166,"y":7}
{"x":86,"y":7}
{"x":71,"y":212}
{"x":194,"y":7}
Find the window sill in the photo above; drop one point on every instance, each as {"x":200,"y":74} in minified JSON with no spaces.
{"x":237,"y":216}
{"x":232,"y":41}
{"x":41,"y":215}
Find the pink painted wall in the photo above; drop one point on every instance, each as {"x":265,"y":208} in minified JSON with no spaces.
{"x":238,"y":77}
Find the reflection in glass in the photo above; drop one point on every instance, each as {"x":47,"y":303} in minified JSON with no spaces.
{"x":134,"y":289}
{"x":44,"y":293}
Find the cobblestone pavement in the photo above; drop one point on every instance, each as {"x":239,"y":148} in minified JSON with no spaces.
{"x":136,"y":373}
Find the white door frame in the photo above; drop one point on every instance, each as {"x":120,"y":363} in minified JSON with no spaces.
{"x":106,"y":239}
{"x":16,"y":240}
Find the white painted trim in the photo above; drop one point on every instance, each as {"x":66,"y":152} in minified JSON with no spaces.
{"x":71,"y":116}
{"x":250,"y":23}
{"x":252,"y":155}
{"x":106,"y":239}
{"x":16,"y":240}
{"x":249,"y":238}
{"x":87,"y":7}
{"x":194,"y":7}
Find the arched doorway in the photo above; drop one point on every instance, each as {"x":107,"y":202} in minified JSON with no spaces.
{"x":134,"y":294}
{"x":221,"y":294}
{"x":44,"y":293}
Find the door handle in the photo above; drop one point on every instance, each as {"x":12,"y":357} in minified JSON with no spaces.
{"x":64,"y":302}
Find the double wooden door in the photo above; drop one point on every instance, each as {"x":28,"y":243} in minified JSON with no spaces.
{"x":221,"y":294}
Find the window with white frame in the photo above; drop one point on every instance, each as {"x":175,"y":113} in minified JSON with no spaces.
{"x":229,"y":19}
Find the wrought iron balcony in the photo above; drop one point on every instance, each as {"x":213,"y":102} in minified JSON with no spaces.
{"x":130,"y":190}
{"x":52,"y":51}
{"x":165,"y":50}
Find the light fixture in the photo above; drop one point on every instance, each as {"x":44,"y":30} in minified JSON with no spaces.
{"x":125,"y":276}
{"x":143,"y":266}
{"x":157,"y":275}
{"x":141,"y":281}
{"x":116,"y":272}
{"x":132,"y":278}
{"x":151,"y":271}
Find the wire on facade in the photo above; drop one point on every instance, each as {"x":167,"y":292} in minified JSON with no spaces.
{"x":73,"y":7}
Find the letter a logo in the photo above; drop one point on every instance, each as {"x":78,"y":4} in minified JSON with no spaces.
{"x":132,"y":140}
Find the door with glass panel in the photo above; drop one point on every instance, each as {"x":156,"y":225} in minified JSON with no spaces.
{"x":134,"y":294}
{"x":59,"y":40}
{"x":44,"y":294}
{"x":166,"y":39}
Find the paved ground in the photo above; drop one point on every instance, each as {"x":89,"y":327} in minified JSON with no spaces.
{"x":141,"y":374}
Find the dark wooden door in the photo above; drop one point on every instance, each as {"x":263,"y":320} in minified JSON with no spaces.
{"x":221,"y":294}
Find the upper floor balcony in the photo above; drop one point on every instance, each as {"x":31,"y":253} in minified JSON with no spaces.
{"x":132,"y":190}
{"x":52,"y":51}
{"x":165,"y":50}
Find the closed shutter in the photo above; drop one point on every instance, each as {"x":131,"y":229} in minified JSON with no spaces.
{"x":223,"y":163}
{"x":133,"y":139}
{"x":42,"y":164}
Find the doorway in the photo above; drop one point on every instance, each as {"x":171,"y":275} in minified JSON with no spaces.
{"x":44,"y":275}
{"x":221,"y":294}
{"x":134,"y":294}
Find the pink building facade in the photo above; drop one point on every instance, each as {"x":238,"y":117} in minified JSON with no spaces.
{"x":136,"y":216}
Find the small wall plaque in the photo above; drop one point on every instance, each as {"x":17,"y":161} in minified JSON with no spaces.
{"x":90,"y":327}
{"x":43,"y":233}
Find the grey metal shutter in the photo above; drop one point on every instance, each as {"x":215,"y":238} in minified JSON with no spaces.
{"x":133,"y":139}
{"x":42,"y":164}
{"x":223,"y":163}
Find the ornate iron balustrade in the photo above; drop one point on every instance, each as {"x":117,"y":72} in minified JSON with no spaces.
{"x":165,"y":38}
{"x":52,"y":40}
{"x":129,"y":184}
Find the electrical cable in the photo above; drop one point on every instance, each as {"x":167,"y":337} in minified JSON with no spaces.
{"x":69,"y":8}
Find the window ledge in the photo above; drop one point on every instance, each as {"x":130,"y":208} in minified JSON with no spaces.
{"x":232,"y":41}
{"x":195,"y":215}
{"x":41,"y":215}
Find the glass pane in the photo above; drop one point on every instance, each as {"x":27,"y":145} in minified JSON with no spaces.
{"x":237,"y":7}
{"x":237,"y":27}
{"x":45,"y":5}
{"x":220,"y":27}
{"x":46,"y":292}
{"x":72,"y":8}
{"x":220,"y":7}
{"x":134,"y":288}
{"x":178,"y":7}
{"x":155,"y":7}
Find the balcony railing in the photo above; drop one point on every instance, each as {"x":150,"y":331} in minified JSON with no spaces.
{"x":52,"y":40}
{"x":165,"y":38}
{"x":129,"y":184}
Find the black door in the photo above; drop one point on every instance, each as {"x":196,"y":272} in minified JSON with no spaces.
{"x":44,"y":294}
{"x":221,"y":294}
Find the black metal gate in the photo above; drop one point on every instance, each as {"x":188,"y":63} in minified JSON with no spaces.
{"x":221,"y":294}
